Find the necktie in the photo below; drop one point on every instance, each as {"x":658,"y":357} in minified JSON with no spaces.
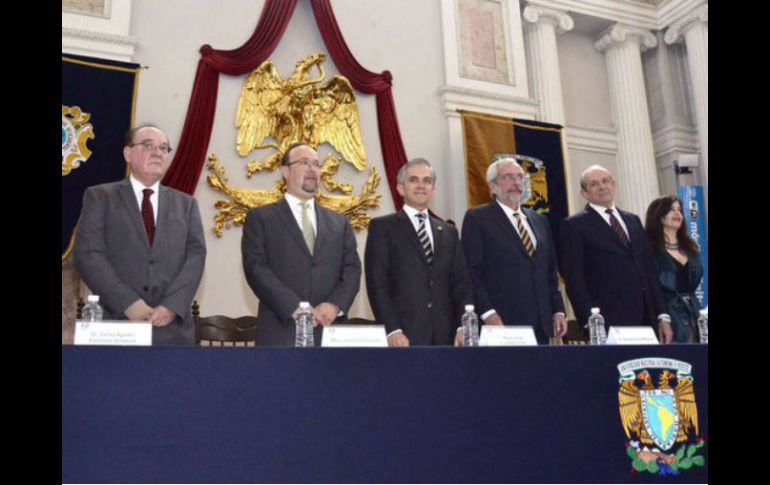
{"x":307,"y":227}
{"x":148,"y":215}
{"x":525,"y":237}
{"x":617,"y":229}
{"x":422,"y":235}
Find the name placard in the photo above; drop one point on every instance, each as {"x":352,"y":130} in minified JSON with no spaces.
{"x":642,"y":335}
{"x":506,"y":336}
{"x":113,"y":332}
{"x":354,"y":336}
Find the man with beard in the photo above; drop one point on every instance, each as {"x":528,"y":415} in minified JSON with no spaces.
{"x":415,"y":268}
{"x":511,"y":258}
{"x":294,"y":250}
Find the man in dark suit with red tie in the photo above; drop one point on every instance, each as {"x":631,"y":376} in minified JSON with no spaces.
{"x":415,"y":269}
{"x":606,"y":260}
{"x":511,"y":258}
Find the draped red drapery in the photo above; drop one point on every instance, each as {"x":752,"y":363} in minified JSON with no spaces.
{"x":196,"y":133}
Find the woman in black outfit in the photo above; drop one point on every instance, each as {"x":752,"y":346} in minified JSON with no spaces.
{"x":678,"y":265}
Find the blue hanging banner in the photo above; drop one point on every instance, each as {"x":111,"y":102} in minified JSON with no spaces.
{"x":695,"y":218}
{"x":97,"y":108}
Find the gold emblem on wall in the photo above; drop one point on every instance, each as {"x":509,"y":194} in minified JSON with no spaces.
{"x":289,"y":111}
{"x":75,"y":132}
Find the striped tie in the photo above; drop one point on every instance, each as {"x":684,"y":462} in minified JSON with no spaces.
{"x":617,"y":229}
{"x":422,"y":235}
{"x":524,"y":234}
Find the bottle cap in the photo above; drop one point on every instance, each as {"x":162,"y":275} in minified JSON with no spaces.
{"x":304,"y":305}
{"x":469,"y":308}
{"x":93,"y":298}
{"x":594,"y":310}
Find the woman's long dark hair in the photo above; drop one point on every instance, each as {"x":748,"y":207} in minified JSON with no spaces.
{"x":654,"y":226}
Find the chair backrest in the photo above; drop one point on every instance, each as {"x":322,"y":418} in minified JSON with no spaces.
{"x":576,"y":334}
{"x":361,"y":321}
{"x":222,"y":331}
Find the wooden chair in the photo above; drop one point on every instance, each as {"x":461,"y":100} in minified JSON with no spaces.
{"x":221,"y":331}
{"x":361,"y":321}
{"x":79,"y":309}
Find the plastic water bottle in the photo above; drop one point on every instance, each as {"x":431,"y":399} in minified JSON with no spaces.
{"x":470,"y":325}
{"x":596,"y":330}
{"x":703,"y":326}
{"x":303,"y":320}
{"x":93,"y":311}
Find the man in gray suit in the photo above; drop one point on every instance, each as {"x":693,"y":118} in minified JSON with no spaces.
{"x":295,"y":251}
{"x":511,"y":258}
{"x":140,"y":246}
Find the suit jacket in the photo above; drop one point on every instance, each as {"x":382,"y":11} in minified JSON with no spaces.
{"x":424,"y":301}
{"x":281,"y":271}
{"x":523,"y":291}
{"x":114,"y":257}
{"x":600,"y":272}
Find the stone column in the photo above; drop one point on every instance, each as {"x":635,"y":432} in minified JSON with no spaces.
{"x":694,"y":28}
{"x":623,"y":46}
{"x":540,"y":28}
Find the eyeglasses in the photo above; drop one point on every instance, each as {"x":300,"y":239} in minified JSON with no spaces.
{"x":509,"y":177}
{"x":306,"y":162}
{"x":150,"y":147}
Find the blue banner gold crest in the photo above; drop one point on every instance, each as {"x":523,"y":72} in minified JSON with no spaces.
{"x":659,"y":415}
{"x":98,"y":100}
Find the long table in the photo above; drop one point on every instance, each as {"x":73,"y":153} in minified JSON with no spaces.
{"x":230,"y":415}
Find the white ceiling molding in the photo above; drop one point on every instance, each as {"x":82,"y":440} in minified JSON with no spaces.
{"x":629,"y":12}
{"x":592,"y":139}
{"x":455,"y":98}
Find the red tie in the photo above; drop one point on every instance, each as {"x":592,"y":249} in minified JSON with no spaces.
{"x":617,"y":229}
{"x":147,"y":215}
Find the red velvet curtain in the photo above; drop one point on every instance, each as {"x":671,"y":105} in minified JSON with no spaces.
{"x":272,"y":24}
{"x":196,"y":133}
{"x":393,"y":154}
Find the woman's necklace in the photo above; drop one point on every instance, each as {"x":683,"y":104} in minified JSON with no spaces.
{"x":672,"y":246}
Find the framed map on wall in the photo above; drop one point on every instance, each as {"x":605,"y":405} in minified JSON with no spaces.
{"x":483,"y":52}
{"x":94,"y":8}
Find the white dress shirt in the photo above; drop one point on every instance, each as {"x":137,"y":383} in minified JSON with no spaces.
{"x":509,"y":213}
{"x":138,"y":188}
{"x":412,"y":213}
{"x":295,"y":205}
{"x":603,"y":212}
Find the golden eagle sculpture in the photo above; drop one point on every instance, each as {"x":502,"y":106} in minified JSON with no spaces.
{"x":297,"y":109}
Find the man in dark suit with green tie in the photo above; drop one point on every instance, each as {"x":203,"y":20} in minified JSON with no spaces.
{"x":294,"y":250}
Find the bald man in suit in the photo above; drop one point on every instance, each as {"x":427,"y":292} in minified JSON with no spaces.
{"x":294,"y":250}
{"x":140,"y":246}
{"x":607,"y":262}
